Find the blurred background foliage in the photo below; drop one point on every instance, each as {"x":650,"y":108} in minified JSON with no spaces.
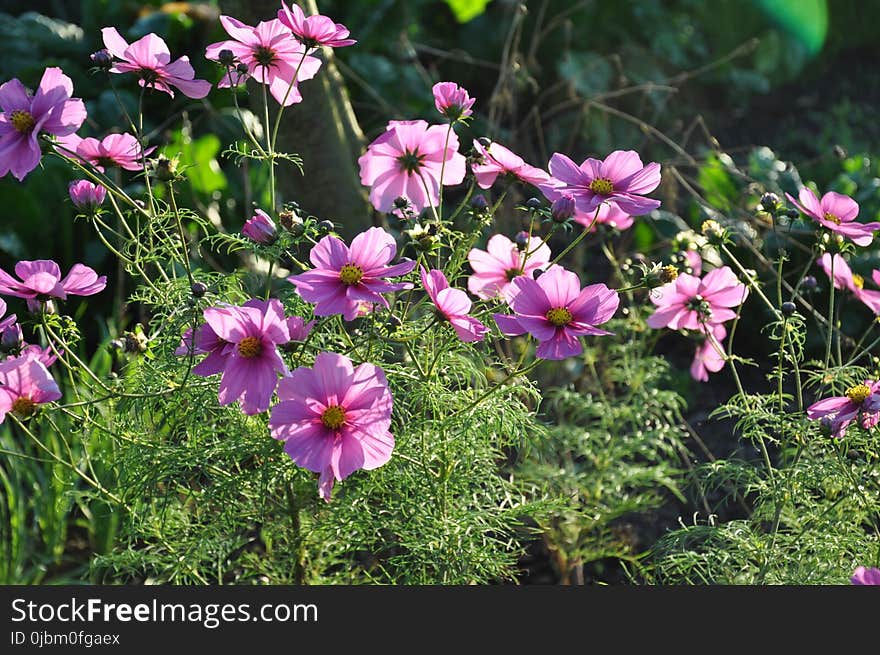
{"x":725,"y":94}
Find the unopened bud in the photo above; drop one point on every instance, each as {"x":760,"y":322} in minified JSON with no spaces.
{"x":479,"y":203}
{"x":810,"y":283}
{"x":226,"y":57}
{"x":788,"y":308}
{"x":325,"y":227}
{"x":562,"y":209}
{"x":770,"y":202}
{"x":102,"y":59}
{"x":522,"y":240}
{"x":198,"y":289}
{"x":533,"y":203}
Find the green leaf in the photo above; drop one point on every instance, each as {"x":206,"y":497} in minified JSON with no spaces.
{"x":467,"y":10}
{"x":805,"y":20}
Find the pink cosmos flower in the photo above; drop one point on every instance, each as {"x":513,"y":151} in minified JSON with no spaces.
{"x":41,"y":280}
{"x":452,"y":101}
{"x":497,"y":266}
{"x":150,"y":59}
{"x":122,"y":150}
{"x":272,"y":55}
{"x":252,"y":334}
{"x":556,"y":311}
{"x":86,"y":196}
{"x":453,"y":305}
{"x":707,"y":358}
{"x":46,"y":356}
{"x":259,"y":228}
{"x":343,"y":277}
{"x":861,"y":402}
{"x":838,"y":213}
{"x":10,"y":331}
{"x":689,"y":302}
{"x":496,"y":160}
{"x":866,"y":576}
{"x":298,"y":328}
{"x":406,"y":161}
{"x":50,"y":110}
{"x":313,"y":31}
{"x":25,"y":383}
{"x":620,"y":179}
{"x":206,"y":343}
{"x":609,"y":214}
{"x":844,"y":278}
{"x":334,"y":418}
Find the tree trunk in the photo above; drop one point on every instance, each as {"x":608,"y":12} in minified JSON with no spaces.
{"x":322,"y":129}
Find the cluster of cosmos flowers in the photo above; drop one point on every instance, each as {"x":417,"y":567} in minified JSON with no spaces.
{"x":334,"y":417}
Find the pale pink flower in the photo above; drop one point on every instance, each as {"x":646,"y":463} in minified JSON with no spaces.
{"x":46,"y":356}
{"x":334,"y":418}
{"x":150,"y":59}
{"x":860,"y":402}
{"x":494,"y":160}
{"x":86,"y":196}
{"x":838,"y":213}
{"x":252,"y":334}
{"x":689,"y":302}
{"x":620,"y":179}
{"x":556,"y":311}
{"x":25,"y":117}
{"x":844,"y":278}
{"x":298,"y":328}
{"x":405,"y":162}
{"x":272,"y":55}
{"x":344,"y":277}
{"x":452,"y":101}
{"x":502,"y":261}
{"x":25,"y":383}
{"x":707,"y":358}
{"x":41,"y":280}
{"x":260,"y":228}
{"x":313,"y":31}
{"x":453,"y":305}
{"x":866,"y":576}
{"x":122,"y":150}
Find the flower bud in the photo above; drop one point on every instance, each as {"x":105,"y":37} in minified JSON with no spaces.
{"x":260,"y":228}
{"x":788,"y":308}
{"x":452,"y":101}
{"x":226,"y":57}
{"x":770,"y":202}
{"x":522,"y":240}
{"x":533,"y":203}
{"x":326,"y":227}
{"x":809,"y":283}
{"x":86,"y":196}
{"x":792,"y":213}
{"x":102,"y":59}
{"x":241,"y":69}
{"x":198,"y":289}
{"x":562,"y":209}
{"x":485,"y":141}
{"x":479,"y":203}
{"x":11,"y":337}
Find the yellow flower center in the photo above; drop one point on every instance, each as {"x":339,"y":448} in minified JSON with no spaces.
{"x":250,"y":347}
{"x":333,"y":417}
{"x":351,"y":274}
{"x":858,"y":393}
{"x":858,"y":281}
{"x":24,"y":407}
{"x":559,"y":316}
{"x":831,"y":217}
{"x":602,"y":185}
{"x":22,"y":121}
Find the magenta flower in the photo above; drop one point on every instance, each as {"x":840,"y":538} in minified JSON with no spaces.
{"x":556,"y":311}
{"x":406,"y":161}
{"x":122,"y":150}
{"x":838,"y":213}
{"x":494,"y":160}
{"x":861,"y":402}
{"x":206,"y":343}
{"x":259,"y":228}
{"x":150,"y":59}
{"x":453,"y":305}
{"x":497,"y":266}
{"x":313,"y":31}
{"x":41,"y":280}
{"x":689,"y":302}
{"x":11,"y":337}
{"x":25,"y":383}
{"x":46,"y":356}
{"x":621,"y":179}
{"x":844,"y":278}
{"x":86,"y":196}
{"x":866,"y":576}
{"x":298,"y":328}
{"x":334,"y":418}
{"x":343,"y":277}
{"x":50,"y":110}
{"x":707,"y":358}
{"x":272,"y":55}
{"x":452,"y":101}
{"x":252,"y":334}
